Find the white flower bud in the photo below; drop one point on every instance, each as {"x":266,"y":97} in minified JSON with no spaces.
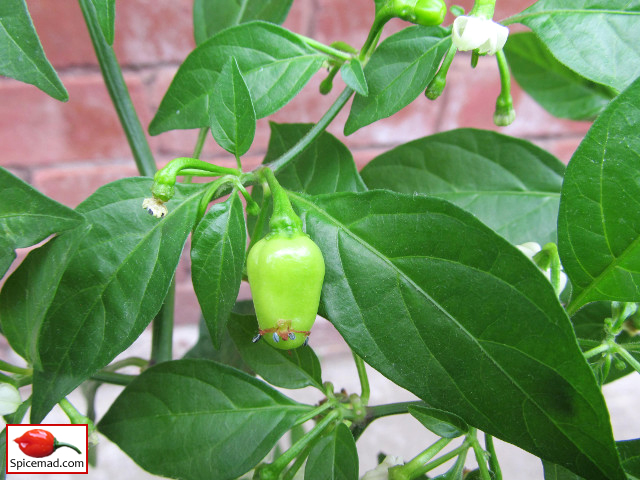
{"x":9,"y":399}
{"x":381,"y":471}
{"x":471,"y":33}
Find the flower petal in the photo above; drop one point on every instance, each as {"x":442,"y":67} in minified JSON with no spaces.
{"x":9,"y":399}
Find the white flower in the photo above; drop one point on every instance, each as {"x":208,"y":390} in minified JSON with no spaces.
{"x":155,"y":207}
{"x":530,"y":249}
{"x":471,"y":33}
{"x":381,"y":471}
{"x":9,"y":399}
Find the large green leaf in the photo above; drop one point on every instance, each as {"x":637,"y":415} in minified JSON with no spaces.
{"x":598,"y":40}
{"x":296,"y":368}
{"x":398,"y":71}
{"x":589,"y":325}
{"x":106,"y":13}
{"x":212,"y":16}
{"x":198,"y":420}
{"x":275,"y":62}
{"x":629,"y":454}
{"x":334,"y":457}
{"x":217,"y":258}
{"x":113,"y":286}
{"x":231,"y":113}
{"x":559,"y":90}
{"x":444,"y":307}
{"x":29,"y":291}
{"x":325,"y":166}
{"x":28,"y":217}
{"x":599,"y":218}
{"x":510,"y":184}
{"x":21,"y":53}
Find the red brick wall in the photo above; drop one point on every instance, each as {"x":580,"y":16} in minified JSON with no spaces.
{"x":67,"y":150}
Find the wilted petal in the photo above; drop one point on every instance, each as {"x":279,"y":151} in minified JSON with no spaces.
{"x":9,"y":399}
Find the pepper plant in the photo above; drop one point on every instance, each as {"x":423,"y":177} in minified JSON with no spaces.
{"x":442,"y":264}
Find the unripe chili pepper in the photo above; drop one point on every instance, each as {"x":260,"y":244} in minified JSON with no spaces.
{"x":285,"y":271}
{"x":421,"y":12}
{"x":40,"y":443}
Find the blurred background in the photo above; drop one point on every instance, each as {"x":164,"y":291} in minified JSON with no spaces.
{"x":68,"y":150}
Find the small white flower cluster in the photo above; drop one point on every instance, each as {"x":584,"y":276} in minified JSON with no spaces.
{"x":530,"y":249}
{"x":9,"y":399}
{"x":381,"y":472}
{"x":155,"y":207}
{"x":482,"y":34}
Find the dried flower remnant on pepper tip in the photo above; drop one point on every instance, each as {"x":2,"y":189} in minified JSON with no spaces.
{"x":155,"y":207}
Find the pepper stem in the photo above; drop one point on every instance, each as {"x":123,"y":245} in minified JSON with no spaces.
{"x":57,"y":445}
{"x":284,"y":218}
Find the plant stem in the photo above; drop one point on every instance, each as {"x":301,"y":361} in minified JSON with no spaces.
{"x":604,"y":347}
{"x":364,"y":380}
{"x":480,"y":455}
{"x":113,"y":378}
{"x":127,"y":362}
{"x":119,"y":93}
{"x":197,"y":150}
{"x":461,"y":450}
{"x":410,"y":469}
{"x":321,"y":47}
{"x":620,"y":350}
{"x":72,"y":412}
{"x":493,"y":459}
{"x":7,"y":367}
{"x":313,"y":413}
{"x":162,"y":329}
{"x":312,"y":134}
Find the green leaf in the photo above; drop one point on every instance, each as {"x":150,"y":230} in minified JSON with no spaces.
{"x":560,"y":91}
{"x":29,"y":291}
{"x":589,"y":325}
{"x":21,"y":53}
{"x":275,"y":62}
{"x":106,"y":13}
{"x":442,"y":423}
{"x":510,"y":184}
{"x":421,"y":289}
{"x":296,"y":368}
{"x":231,"y":113}
{"x":325,"y":166}
{"x":212,"y":16}
{"x":227,"y":354}
{"x":113,"y":286}
{"x":629,"y":453}
{"x":195,"y":419}
{"x":28,"y":217}
{"x":398,"y":71}
{"x":333,"y":457}
{"x":353,"y":76}
{"x":599,"y":218}
{"x":217,"y":258}
{"x":610,"y":56}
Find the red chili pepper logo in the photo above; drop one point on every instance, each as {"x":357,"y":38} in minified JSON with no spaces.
{"x":39,"y":443}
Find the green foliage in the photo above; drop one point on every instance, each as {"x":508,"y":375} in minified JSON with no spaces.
{"x":423,"y":280}
{"x":608,"y":33}
{"x":561,"y":91}
{"x":186,"y":402}
{"x":217,"y":258}
{"x":398,"y":71}
{"x":599,"y":217}
{"x":275,"y":64}
{"x":28,"y":217}
{"x":510,"y":184}
{"x":21,"y":54}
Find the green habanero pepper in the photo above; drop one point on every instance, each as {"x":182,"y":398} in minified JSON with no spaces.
{"x":286,"y":271}
{"x":421,"y":12}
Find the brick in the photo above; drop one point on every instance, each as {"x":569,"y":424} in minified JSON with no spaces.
{"x":38,"y":130}
{"x":72,"y":184}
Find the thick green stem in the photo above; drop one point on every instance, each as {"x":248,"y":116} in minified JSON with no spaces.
{"x":459,"y":465}
{"x":113,"y":378}
{"x":364,"y":379}
{"x":370,"y":43}
{"x":312,"y":134}
{"x":119,"y":93}
{"x":197,"y":150}
{"x":73,"y":414}
{"x":620,"y":350}
{"x":493,"y":458}
{"x":127,"y":362}
{"x":505,"y":113}
{"x":480,"y":455}
{"x":321,"y":47}
{"x":409,"y":470}
{"x":162,"y":330}
{"x":8,"y":367}
{"x":483,"y":9}
{"x":604,"y":347}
